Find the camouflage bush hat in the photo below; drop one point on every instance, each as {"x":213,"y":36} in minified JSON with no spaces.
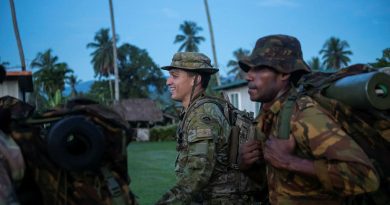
{"x":191,"y":61}
{"x":281,"y":52}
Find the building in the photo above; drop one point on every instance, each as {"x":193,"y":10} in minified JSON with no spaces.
{"x":17,"y":84}
{"x":141,"y":113}
{"x":237,"y":91}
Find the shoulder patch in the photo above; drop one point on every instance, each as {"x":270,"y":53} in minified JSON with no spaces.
{"x":200,"y":134}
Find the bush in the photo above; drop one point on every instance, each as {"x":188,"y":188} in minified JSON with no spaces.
{"x":163,"y":133}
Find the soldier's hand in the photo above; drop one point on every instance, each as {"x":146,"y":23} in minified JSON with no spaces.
{"x":250,"y":152}
{"x":279,"y":152}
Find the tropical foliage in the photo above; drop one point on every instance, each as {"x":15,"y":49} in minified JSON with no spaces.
{"x":315,"y":64}
{"x":102,"y":56}
{"x":50,"y":75}
{"x":72,"y":81}
{"x":138,"y":73}
{"x":335,"y":53}
{"x":233,"y":64}
{"x":189,"y":38}
{"x":384,"y":61}
{"x":99,"y":92}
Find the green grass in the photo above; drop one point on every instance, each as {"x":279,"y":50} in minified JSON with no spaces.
{"x":151,"y":168}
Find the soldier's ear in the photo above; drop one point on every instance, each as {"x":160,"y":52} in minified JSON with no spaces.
{"x":199,"y":81}
{"x":285,"y":76}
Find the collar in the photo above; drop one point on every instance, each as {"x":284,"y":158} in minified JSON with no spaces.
{"x":195,"y":98}
{"x":278,"y":103}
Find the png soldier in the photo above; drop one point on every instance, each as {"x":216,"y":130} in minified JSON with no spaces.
{"x":319,"y":163}
{"x":202,"y":168}
{"x":12,"y":165}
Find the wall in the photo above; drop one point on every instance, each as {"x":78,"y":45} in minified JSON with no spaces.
{"x":10,"y":88}
{"x":244,"y":101}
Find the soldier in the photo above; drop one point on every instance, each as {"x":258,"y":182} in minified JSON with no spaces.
{"x":11,"y":161}
{"x":319,"y":163}
{"x":202,"y":168}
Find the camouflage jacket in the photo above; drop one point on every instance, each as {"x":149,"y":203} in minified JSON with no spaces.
{"x":11,"y":169}
{"x":341,"y":166}
{"x":201,"y":167}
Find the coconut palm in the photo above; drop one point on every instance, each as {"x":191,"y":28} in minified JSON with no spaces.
{"x":102,"y":56}
{"x":335,"y":53}
{"x":238,"y":54}
{"x":73,"y":81}
{"x":206,"y":5}
{"x":189,"y":39}
{"x":315,"y":64}
{"x":51,"y":75}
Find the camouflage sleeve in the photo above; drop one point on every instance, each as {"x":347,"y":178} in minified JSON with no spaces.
{"x":203,"y":129}
{"x":340,"y":164}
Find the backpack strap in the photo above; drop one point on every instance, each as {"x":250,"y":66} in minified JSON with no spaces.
{"x":113,"y":187}
{"x":285,"y":117}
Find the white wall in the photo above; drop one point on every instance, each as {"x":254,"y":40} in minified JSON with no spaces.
{"x":10,"y":88}
{"x":244,"y":101}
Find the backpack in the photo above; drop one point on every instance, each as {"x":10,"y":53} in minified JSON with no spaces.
{"x":241,"y":122}
{"x":243,"y":128}
{"x":75,"y":154}
{"x":359,"y":118}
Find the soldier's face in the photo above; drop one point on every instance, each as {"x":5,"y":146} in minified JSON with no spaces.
{"x":180,"y":84}
{"x":263,"y":84}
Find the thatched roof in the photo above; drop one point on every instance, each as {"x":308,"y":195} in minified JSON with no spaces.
{"x":139,"y":109}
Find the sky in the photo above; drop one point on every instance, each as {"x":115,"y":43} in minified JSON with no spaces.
{"x":67,"y":26}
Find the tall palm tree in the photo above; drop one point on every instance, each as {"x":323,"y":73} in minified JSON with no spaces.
{"x":116,"y":73}
{"x":206,"y":5}
{"x":189,"y":39}
{"x":17,"y":36}
{"x":72,"y":80}
{"x":238,"y":54}
{"x":102,"y":56}
{"x":315,"y":64}
{"x":335,"y":53}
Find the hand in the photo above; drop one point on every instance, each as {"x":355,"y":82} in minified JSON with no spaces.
{"x":279,"y":152}
{"x":250,"y":152}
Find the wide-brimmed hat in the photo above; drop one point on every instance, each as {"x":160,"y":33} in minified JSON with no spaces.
{"x":280,"y":52}
{"x":191,"y":61}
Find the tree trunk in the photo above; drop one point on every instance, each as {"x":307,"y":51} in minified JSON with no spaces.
{"x":115,"y":54}
{"x":212,"y":41}
{"x":17,"y":36}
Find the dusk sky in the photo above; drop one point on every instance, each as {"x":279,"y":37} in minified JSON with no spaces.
{"x":67,"y":26}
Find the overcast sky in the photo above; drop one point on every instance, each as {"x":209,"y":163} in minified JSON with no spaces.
{"x":67,"y":26}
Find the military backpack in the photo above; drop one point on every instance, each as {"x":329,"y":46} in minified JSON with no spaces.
{"x":358,"y":98}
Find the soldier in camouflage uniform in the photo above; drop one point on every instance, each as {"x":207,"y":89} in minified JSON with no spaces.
{"x":202,"y":168}
{"x":319,"y":163}
{"x":12,"y":164}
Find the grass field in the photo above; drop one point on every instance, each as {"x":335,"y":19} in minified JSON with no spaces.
{"x":151,"y":168}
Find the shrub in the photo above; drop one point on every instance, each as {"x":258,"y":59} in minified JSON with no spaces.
{"x":163,"y":133}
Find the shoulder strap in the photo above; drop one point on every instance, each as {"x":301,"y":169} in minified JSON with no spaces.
{"x":285,"y":117}
{"x":113,"y":187}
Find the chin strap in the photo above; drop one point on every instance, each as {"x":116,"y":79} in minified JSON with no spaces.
{"x":193,"y":89}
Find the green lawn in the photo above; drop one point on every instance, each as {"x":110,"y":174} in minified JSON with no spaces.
{"x":151,"y":168}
